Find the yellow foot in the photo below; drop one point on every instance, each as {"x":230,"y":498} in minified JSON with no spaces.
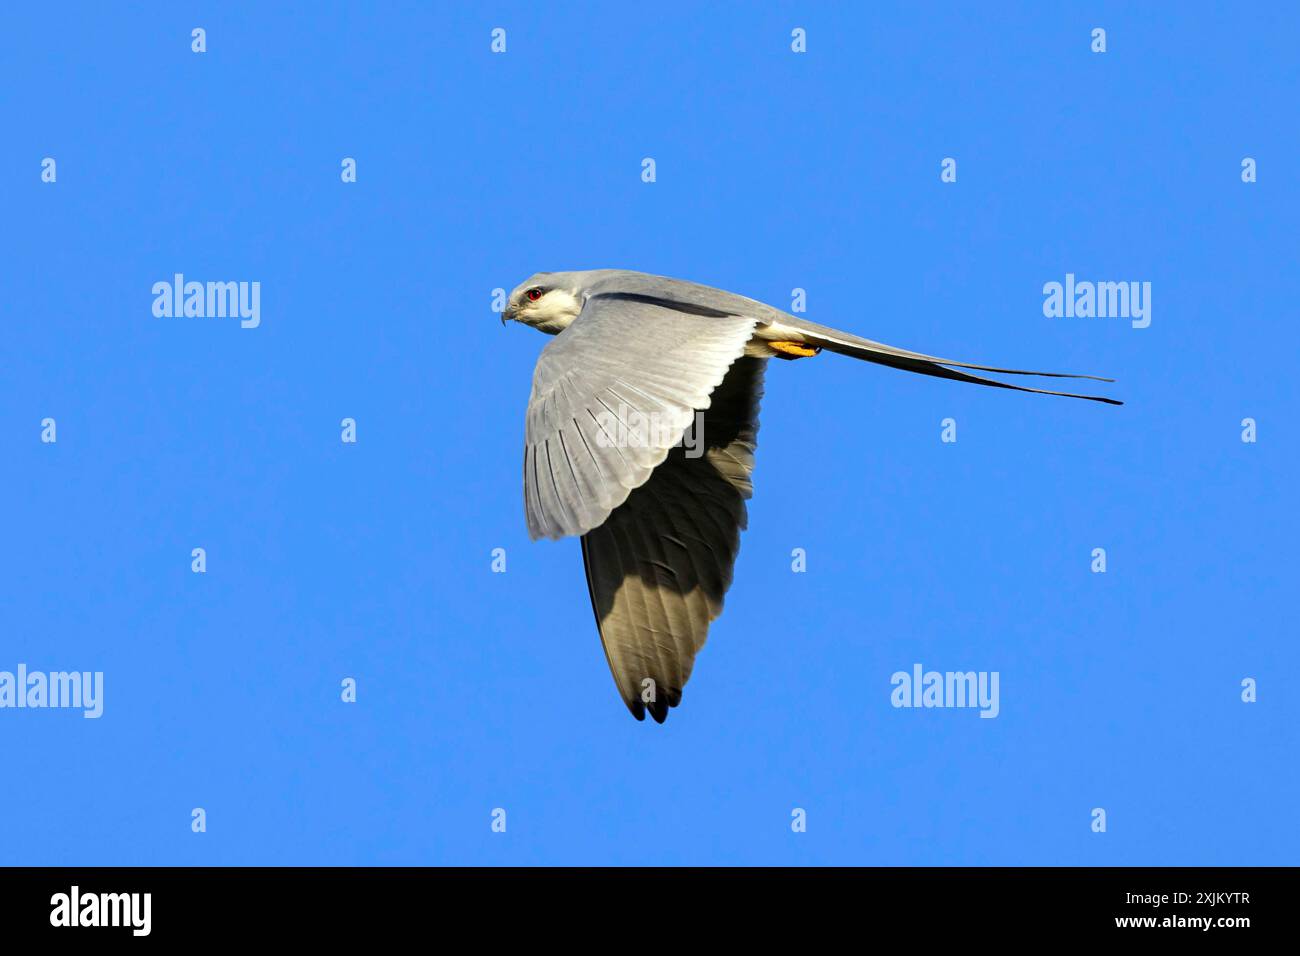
{"x":794,"y":349}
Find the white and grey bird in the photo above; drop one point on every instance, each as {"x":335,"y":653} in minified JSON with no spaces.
{"x":634,"y":358}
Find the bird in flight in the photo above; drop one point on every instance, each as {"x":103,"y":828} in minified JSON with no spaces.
{"x":639,"y":364}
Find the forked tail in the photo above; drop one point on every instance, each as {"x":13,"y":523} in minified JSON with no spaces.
{"x":844,"y":343}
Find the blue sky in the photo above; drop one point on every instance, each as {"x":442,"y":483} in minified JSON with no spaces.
{"x":775,"y":171}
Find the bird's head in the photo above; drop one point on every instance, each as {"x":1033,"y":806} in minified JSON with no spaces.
{"x":545,"y":301}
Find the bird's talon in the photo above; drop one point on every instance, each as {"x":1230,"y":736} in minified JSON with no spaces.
{"x":794,"y":349}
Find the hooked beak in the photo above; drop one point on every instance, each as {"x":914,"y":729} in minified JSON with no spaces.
{"x":507,"y":315}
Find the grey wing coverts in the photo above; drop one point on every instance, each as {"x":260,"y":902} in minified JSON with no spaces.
{"x":625,"y":361}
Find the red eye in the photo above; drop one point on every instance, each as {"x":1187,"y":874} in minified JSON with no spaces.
{"x":533,"y":294}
